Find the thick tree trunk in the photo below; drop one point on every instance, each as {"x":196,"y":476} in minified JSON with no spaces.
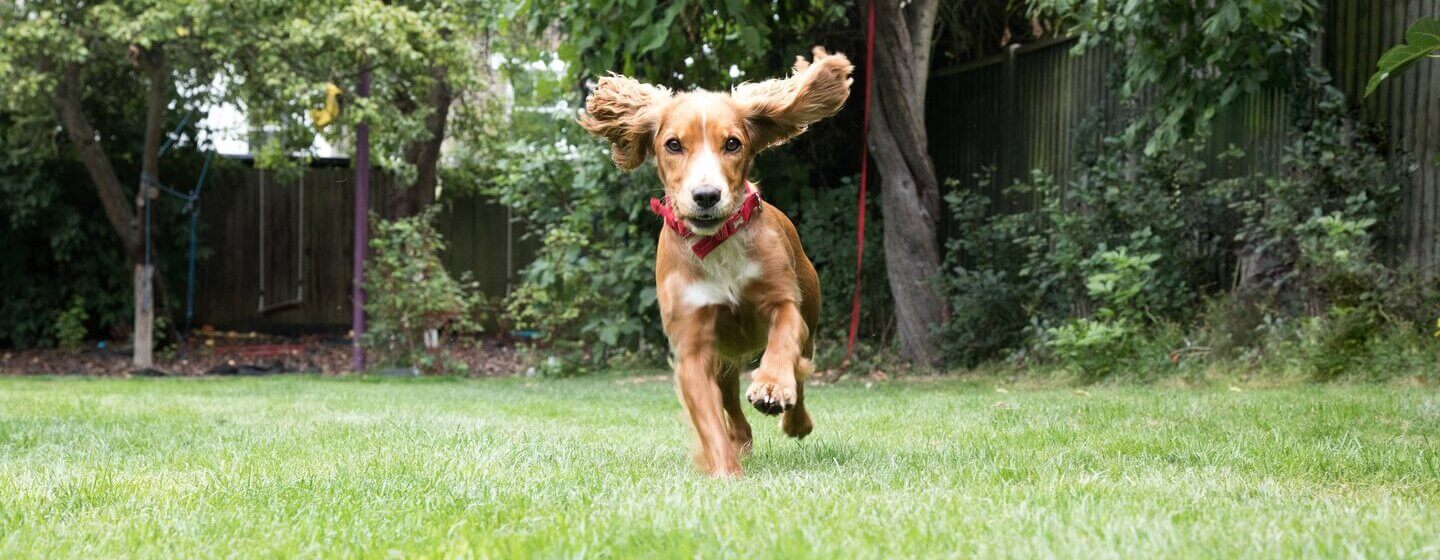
{"x":910,"y":192}
{"x":425,"y":153}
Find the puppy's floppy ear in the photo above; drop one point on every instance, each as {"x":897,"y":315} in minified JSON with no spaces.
{"x":625,"y":112}
{"x":781,"y":109}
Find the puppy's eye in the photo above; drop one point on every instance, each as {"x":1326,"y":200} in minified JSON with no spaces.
{"x":732,"y":144}
{"x":673,"y":146}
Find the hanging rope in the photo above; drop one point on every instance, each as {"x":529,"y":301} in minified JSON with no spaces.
{"x":864,"y":176}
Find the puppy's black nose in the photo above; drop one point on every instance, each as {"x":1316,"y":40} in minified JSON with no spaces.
{"x":705,"y":197}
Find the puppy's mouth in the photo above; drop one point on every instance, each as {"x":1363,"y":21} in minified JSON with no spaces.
{"x":703,"y":224}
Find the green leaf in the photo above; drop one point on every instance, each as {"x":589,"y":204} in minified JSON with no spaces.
{"x":1422,"y":40}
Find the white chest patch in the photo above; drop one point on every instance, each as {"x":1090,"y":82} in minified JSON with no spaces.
{"x":724,"y":274}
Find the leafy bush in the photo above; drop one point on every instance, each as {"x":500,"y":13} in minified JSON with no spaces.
{"x":53,"y":229}
{"x":1116,"y":279}
{"x":590,"y":289}
{"x":1093,"y":347}
{"x":1335,"y":258}
{"x":1043,"y":280}
{"x":70,"y":328}
{"x":412,"y":296}
{"x":1337,"y":342}
{"x":826,"y":222}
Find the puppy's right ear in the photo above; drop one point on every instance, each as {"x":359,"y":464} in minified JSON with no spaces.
{"x":625,"y":112}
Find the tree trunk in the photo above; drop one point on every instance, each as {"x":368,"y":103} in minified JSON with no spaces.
{"x":152,"y":60}
{"x":910,"y":195}
{"x":424,"y":154}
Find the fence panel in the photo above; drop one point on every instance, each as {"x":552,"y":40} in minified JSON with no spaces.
{"x":280,"y":254}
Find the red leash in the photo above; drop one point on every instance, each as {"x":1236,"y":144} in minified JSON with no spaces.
{"x":864,"y":175}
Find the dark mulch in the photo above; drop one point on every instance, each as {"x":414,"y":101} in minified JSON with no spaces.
{"x":229,"y":353}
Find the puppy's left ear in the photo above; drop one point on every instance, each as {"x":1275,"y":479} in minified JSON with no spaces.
{"x":781,"y":109}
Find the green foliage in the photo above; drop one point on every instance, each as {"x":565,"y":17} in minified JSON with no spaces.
{"x":1422,"y":41}
{"x":1336,"y":257}
{"x":825,"y":219}
{"x":1105,"y":269}
{"x":1117,"y":279}
{"x":1096,"y":348}
{"x":70,"y":324}
{"x":55,"y":250}
{"x":589,"y":290}
{"x":411,"y":293}
{"x":1047,"y":274}
{"x":1192,"y":58}
{"x":685,"y":43}
{"x":281,"y":56}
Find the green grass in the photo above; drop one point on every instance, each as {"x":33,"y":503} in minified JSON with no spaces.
{"x":303,"y":466}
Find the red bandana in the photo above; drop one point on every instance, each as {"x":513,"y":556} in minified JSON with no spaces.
{"x":707,"y":244}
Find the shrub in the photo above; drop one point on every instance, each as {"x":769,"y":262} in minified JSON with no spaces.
{"x":826,"y":223}
{"x":590,"y":290}
{"x":70,"y":328}
{"x":1338,"y":341}
{"x":411,"y":295}
{"x":1095,"y":348}
{"x":1261,"y":249}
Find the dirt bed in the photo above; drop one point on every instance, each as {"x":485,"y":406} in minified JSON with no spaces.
{"x":225,"y":353}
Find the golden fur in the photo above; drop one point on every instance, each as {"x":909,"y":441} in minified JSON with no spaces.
{"x":757,"y":292}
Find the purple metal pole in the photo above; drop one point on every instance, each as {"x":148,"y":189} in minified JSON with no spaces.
{"x":362,"y":228}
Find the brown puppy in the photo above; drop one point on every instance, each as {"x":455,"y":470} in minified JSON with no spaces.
{"x":731,"y":277}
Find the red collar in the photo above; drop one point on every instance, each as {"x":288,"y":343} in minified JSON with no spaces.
{"x":706,"y":244}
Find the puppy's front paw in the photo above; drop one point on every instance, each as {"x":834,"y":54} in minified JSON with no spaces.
{"x":771,"y":394}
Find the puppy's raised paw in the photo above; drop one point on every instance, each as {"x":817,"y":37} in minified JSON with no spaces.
{"x":771,"y":398}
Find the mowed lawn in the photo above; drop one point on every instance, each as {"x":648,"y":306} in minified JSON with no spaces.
{"x":306,"y":466}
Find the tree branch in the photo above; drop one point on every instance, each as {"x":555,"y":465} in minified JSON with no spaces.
{"x":66,"y":101}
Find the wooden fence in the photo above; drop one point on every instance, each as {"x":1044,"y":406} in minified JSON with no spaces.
{"x":278,"y":250}
{"x":1024,"y":109}
{"x":1357,"y":33}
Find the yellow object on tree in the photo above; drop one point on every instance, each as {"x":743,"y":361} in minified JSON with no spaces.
{"x":323,"y":117}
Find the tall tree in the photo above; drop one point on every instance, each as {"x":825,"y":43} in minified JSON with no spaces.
{"x":47,"y":52}
{"x":910,"y":195}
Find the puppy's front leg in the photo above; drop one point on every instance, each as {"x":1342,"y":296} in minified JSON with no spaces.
{"x":773,"y":386}
{"x":696,"y":372}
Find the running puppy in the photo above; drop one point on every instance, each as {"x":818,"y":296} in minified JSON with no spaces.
{"x":731,"y":277}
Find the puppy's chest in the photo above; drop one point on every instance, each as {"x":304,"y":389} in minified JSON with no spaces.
{"x":722,"y":276}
